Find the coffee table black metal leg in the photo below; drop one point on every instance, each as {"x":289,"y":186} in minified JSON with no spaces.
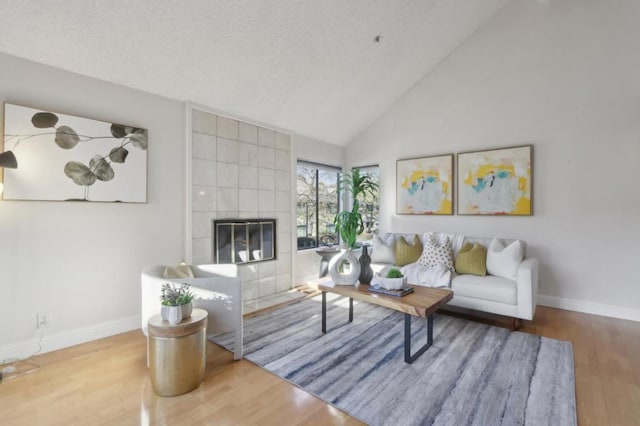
{"x":408,"y":358}
{"x":324,"y":312}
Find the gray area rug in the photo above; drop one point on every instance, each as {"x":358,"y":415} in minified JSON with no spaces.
{"x":474,"y":374}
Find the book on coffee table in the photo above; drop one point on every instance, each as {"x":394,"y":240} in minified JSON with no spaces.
{"x":400,"y":292}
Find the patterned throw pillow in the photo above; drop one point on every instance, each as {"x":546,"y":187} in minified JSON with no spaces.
{"x":437,"y":254}
{"x":408,"y":253}
{"x":472,"y":259}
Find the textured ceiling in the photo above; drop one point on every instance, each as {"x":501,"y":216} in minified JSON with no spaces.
{"x":310,"y":66}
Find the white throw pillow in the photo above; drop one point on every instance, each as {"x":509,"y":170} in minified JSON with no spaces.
{"x":427,"y":276}
{"x":383,"y":253}
{"x":503,"y":261}
{"x":436,"y":253}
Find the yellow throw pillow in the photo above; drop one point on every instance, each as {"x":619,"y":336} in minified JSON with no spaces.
{"x":407,"y":253}
{"x":472,"y":259}
{"x":181,"y":271}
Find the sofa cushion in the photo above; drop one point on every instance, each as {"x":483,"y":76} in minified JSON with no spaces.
{"x":504,"y":261}
{"x":472,"y":259}
{"x":406,"y":253}
{"x":489,"y":287}
{"x":437,"y":253}
{"x":182,"y":270}
{"x":381,"y":252}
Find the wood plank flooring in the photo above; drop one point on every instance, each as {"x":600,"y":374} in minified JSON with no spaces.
{"x":106,"y":382}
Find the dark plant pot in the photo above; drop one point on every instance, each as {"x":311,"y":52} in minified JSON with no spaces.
{"x":366,"y":273}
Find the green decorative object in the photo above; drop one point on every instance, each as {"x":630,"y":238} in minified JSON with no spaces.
{"x":406,"y":253}
{"x":394,"y":273}
{"x":472,"y":259}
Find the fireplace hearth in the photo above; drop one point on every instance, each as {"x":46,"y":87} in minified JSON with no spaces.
{"x":244,"y":240}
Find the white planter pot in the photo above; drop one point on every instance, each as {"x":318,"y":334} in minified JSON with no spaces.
{"x":175,"y":314}
{"x":187,"y":308}
{"x":391,"y":283}
{"x":164,"y":312}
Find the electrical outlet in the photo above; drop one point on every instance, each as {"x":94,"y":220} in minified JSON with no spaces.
{"x":42,"y":320}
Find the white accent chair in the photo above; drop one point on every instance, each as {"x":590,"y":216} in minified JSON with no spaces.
{"x":216,"y":288}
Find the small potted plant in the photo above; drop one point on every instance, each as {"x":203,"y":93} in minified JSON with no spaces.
{"x":176,"y":302}
{"x":393,"y":280}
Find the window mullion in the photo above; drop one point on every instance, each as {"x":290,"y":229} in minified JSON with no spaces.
{"x":317,"y":208}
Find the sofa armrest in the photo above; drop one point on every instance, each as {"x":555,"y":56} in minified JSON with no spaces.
{"x":527,"y":288}
{"x":215,"y":270}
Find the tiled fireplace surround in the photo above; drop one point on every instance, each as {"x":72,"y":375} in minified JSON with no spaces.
{"x":240,"y":170}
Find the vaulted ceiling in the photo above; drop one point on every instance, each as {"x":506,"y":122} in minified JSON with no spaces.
{"x":309,"y":66}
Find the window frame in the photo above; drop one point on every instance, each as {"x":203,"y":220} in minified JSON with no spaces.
{"x":318,"y":168}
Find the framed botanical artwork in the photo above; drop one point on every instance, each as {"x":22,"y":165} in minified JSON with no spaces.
{"x":425,"y":185}
{"x":63,"y":157}
{"x":495,"y":182}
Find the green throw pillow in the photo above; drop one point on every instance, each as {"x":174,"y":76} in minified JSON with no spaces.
{"x":407,"y":253}
{"x":472,"y":259}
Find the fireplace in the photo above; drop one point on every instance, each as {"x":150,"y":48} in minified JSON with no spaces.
{"x":244,"y":240}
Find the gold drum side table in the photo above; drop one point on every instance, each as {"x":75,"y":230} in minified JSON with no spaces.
{"x":177,"y":353}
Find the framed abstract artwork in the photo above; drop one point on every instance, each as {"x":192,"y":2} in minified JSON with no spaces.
{"x":495,"y":182}
{"x":425,"y":185}
{"x":63,"y":157}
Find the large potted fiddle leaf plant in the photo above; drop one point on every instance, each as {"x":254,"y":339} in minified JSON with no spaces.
{"x":349,"y":224}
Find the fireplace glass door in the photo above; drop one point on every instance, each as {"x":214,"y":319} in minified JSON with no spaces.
{"x":244,"y":241}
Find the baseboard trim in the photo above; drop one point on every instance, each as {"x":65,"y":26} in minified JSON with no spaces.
{"x":589,"y":307}
{"x":68,"y":338}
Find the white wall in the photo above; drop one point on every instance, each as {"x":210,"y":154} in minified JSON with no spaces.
{"x":562,"y":75}
{"x":80,"y":262}
{"x":307,"y":262}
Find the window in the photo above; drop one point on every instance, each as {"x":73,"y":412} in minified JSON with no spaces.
{"x":317,"y":203}
{"x":370,"y":205}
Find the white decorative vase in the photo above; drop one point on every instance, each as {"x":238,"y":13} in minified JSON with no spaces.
{"x":175,"y":314}
{"x":345,"y":269}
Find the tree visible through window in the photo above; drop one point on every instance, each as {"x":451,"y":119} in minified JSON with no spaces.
{"x":317,"y":203}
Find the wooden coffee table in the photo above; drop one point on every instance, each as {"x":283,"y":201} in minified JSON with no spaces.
{"x":423,"y":303}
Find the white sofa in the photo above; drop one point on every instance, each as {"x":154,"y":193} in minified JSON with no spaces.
{"x":512,"y":298}
{"x":216,"y":288}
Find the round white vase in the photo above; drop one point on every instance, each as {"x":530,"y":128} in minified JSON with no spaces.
{"x":345,"y":269}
